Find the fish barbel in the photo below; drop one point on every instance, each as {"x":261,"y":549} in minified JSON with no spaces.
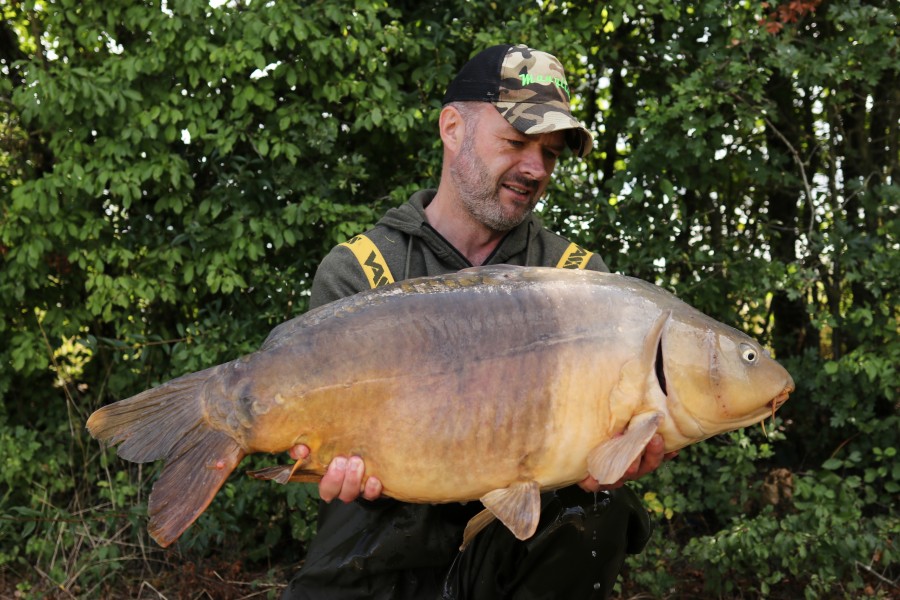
{"x":493,"y":383}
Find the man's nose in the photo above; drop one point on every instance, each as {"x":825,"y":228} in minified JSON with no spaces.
{"x":533,"y":164}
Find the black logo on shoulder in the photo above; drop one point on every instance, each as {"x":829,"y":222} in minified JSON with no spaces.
{"x":377,"y":270}
{"x":575,"y":258}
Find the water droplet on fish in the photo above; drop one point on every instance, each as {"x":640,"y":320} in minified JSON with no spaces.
{"x":594,"y":553}
{"x":597,"y":586}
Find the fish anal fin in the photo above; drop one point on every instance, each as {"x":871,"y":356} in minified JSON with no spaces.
{"x":278,"y":473}
{"x":609,"y":461}
{"x":475,"y":525}
{"x":284,"y":473}
{"x":517,"y":506}
{"x":189,"y":482}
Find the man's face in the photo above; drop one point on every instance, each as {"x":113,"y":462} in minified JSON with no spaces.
{"x":502,"y":173}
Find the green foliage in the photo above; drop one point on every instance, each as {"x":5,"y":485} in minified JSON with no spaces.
{"x":826,"y":544}
{"x":170,"y":178}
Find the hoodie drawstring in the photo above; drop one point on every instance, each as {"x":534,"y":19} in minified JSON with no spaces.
{"x":409,"y":247}
{"x":528,"y":244}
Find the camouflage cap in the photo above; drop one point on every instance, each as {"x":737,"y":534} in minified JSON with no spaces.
{"x":527,"y":86}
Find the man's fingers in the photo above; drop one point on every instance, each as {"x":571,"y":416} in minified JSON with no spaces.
{"x":589,"y":484}
{"x":634,"y":469}
{"x":373,"y":489}
{"x":344,"y":480}
{"x":333,"y":479}
{"x":352,"y":483}
{"x":650,"y":460}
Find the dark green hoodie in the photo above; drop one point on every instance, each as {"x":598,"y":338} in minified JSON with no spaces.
{"x":413,"y":248}
{"x":390,"y":550}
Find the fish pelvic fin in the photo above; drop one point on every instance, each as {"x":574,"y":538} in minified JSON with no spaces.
{"x":168,"y":422}
{"x":475,"y":526}
{"x":517,"y":506}
{"x":609,"y":461}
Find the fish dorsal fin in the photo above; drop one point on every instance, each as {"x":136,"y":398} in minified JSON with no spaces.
{"x":517,"y":506}
{"x":499,"y":268}
{"x":608,"y":462}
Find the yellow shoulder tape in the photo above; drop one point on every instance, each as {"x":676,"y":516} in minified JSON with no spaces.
{"x":575,"y":257}
{"x":371,"y":260}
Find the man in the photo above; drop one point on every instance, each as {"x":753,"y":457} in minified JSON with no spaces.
{"x":505,"y":122}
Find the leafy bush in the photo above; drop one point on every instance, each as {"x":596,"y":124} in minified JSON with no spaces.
{"x":171,"y":177}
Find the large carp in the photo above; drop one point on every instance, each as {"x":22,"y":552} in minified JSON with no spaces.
{"x":493,"y":383}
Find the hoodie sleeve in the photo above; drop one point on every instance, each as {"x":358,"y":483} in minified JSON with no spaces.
{"x":338,"y":276}
{"x":596,"y":264}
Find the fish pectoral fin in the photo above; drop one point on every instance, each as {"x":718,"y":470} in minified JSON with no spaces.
{"x":608,"y":462}
{"x":475,"y":525}
{"x":517,"y":506}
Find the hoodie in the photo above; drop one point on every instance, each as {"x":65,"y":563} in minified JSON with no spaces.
{"x":413,"y":248}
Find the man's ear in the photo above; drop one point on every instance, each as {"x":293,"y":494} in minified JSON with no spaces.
{"x":453,"y":129}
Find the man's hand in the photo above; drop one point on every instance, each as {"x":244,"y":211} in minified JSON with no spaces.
{"x":649,"y":461}
{"x":343,"y":479}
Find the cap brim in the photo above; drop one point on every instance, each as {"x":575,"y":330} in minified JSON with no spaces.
{"x":532,"y":119}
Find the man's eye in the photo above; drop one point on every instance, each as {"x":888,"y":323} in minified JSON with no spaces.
{"x":516,"y":143}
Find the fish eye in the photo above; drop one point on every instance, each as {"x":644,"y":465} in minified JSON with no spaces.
{"x":749,"y":353}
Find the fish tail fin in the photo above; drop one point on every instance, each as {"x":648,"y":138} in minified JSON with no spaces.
{"x":151,"y":425}
{"x":189,"y":482}
{"x":168,"y":422}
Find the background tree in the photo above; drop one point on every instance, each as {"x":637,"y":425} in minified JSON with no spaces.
{"x":172,"y":174}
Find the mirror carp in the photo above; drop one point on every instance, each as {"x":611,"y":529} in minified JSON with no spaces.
{"x":491,"y":384}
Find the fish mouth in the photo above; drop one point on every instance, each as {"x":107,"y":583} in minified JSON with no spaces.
{"x":781,"y":398}
{"x":776,"y":402}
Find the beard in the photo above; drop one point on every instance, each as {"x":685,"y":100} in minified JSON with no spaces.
{"x":480,"y":193}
